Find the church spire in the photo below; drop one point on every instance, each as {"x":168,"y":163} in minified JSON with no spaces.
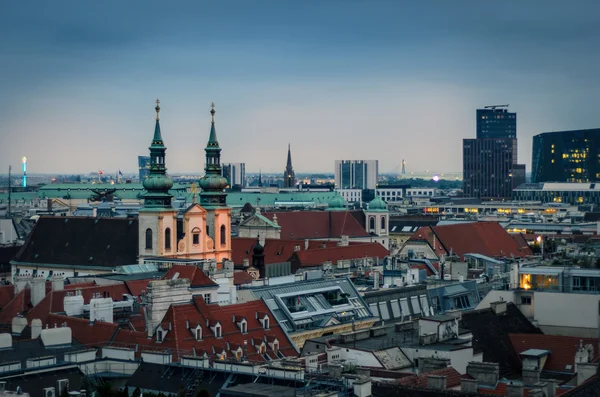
{"x":158,"y":183}
{"x":212,"y":183}
{"x":289,"y":178}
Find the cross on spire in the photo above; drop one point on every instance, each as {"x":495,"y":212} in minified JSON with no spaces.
{"x":157,"y":108}
{"x":212,"y":111}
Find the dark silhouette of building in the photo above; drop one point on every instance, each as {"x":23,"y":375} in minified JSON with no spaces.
{"x":490,"y":169}
{"x":566,"y":156}
{"x":289,"y":178}
{"x":144,"y":163}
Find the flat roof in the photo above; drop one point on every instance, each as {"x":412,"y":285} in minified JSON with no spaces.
{"x":535,"y":353}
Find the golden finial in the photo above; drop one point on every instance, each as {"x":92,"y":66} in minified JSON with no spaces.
{"x":157,"y":108}
{"x":212,"y":111}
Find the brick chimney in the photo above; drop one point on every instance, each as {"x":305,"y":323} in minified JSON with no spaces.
{"x":436,"y":382}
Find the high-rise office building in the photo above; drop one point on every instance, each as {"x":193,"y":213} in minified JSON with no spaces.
{"x":235,"y":173}
{"x":566,"y":156}
{"x":490,"y":169}
{"x":144,"y":167}
{"x":356,"y":174}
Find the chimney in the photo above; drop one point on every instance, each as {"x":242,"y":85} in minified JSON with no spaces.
{"x":375,"y":280}
{"x":513,"y":390}
{"x":36,"y":328}
{"x":530,"y":376}
{"x":56,"y":336}
{"x":58,"y":283}
{"x":436,"y":382}
{"x":468,"y":385}
{"x":485,"y":373}
{"x":160,"y":295}
{"x":498,"y":307}
{"x":536,"y":393}
{"x":261,"y":239}
{"x":49,"y":204}
{"x":585,"y":371}
{"x":18,"y":325}
{"x":38,"y":290}
{"x":246,"y":262}
{"x":550,"y":387}
{"x":5,"y":341}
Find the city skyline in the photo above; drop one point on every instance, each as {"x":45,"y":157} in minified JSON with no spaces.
{"x":336,"y":80}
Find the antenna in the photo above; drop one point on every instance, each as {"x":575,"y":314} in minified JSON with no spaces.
{"x":493,"y":107}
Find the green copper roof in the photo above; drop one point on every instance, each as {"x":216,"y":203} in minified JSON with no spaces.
{"x":337,"y":203}
{"x":378,"y":205}
{"x":157,"y":139}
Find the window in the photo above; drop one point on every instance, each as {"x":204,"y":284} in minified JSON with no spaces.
{"x":383,"y":223}
{"x":275,"y":346}
{"x":168,"y":239}
{"x":196,"y":238}
{"x":262,"y":349}
{"x":159,"y":336}
{"x":223,"y":235}
{"x":266,"y":322}
{"x":206,"y":298}
{"x":372,"y":223}
{"x":526,"y":300}
{"x":199,"y":333}
{"x":148,"y":239}
{"x":218,"y":331}
{"x":244,"y":327}
{"x":576,"y":283}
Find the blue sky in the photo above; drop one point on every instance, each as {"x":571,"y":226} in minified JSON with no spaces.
{"x":382,"y":80}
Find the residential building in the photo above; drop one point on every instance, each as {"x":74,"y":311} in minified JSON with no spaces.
{"x":356,"y":174}
{"x":566,"y":156}
{"x":391,"y":193}
{"x":144,"y":163}
{"x":289,"y":177}
{"x":235,"y":173}
{"x":490,"y":164}
{"x":351,"y":196}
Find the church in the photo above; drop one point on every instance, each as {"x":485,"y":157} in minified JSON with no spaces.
{"x":79,"y":246}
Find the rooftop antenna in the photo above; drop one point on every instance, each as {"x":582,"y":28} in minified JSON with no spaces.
{"x":493,"y":107}
{"x":9,"y":191}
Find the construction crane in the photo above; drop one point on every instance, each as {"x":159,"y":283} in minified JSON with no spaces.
{"x":493,"y":107}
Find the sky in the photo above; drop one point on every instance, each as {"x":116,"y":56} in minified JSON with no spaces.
{"x":347,"y":79}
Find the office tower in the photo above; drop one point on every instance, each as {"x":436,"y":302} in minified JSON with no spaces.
{"x":144,"y":167}
{"x":289,"y":177}
{"x":566,"y":156}
{"x":235,"y":173}
{"x":356,"y":174}
{"x":490,"y":169}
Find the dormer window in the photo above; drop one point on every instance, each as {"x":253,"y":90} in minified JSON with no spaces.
{"x":217,"y":330}
{"x":266,"y":322}
{"x":159,"y":335}
{"x":198,"y":333}
{"x":262,"y":349}
{"x":244,"y":326}
{"x":276,"y":346}
{"x":238,"y":353}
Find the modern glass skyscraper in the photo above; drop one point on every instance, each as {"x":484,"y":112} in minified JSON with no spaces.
{"x":144,"y":167}
{"x":566,"y":156}
{"x":356,"y":174}
{"x":490,"y":169}
{"x":235,"y":173}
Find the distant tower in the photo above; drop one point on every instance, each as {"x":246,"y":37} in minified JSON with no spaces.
{"x":260,"y":178}
{"x":24,"y":171}
{"x":403,"y":166}
{"x":289,"y":178}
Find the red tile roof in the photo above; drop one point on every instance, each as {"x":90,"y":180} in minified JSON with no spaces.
{"x":136,"y":287}
{"x":196,"y":276}
{"x":242,"y":277}
{"x":275,"y":251}
{"x":452,"y":378}
{"x":18,"y":305}
{"x":499,"y":390}
{"x":7,"y":293}
{"x":486,"y":238}
{"x":80,"y":285}
{"x":317,"y":224}
{"x":562,"y":349}
{"x":316,"y":257}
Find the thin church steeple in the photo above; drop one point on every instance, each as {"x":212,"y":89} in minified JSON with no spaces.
{"x":212,"y":183}
{"x":289,"y":178}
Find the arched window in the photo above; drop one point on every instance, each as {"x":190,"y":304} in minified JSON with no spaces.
{"x":223,"y":235}
{"x":372,"y":223}
{"x":148,"y":239}
{"x":383,"y":223}
{"x":168,"y":238}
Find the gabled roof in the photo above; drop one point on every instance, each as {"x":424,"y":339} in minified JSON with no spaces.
{"x":452,"y":378}
{"x":318,"y":224}
{"x":275,"y":250}
{"x":18,"y":305}
{"x":7,"y":293}
{"x":262,"y":219}
{"x":316,"y":257}
{"x":487,"y":238}
{"x":490,"y":334}
{"x":241,"y":277}
{"x":196,"y":276}
{"x":562,"y":349}
{"x":105,"y":242}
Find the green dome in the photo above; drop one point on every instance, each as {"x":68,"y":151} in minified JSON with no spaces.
{"x":213,"y":182}
{"x":158,"y":182}
{"x":337,"y":202}
{"x":377,"y":205}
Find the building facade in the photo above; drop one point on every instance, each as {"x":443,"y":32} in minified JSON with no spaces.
{"x":144,"y":167}
{"x":567,"y":193}
{"x":496,"y":123}
{"x":356,"y":174}
{"x":235,"y":173}
{"x":566,"y":156}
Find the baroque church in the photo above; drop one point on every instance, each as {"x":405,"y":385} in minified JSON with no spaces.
{"x":204,"y":232}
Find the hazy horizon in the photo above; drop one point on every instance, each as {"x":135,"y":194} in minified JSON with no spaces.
{"x":382,"y":80}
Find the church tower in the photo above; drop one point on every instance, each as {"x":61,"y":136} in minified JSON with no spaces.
{"x":213,"y":198}
{"x":289,"y":178}
{"x":157,"y":218}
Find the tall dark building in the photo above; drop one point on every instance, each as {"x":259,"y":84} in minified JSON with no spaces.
{"x":144,"y":164}
{"x":289,"y":178}
{"x":566,"y":156}
{"x":496,"y":122}
{"x":490,"y":169}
